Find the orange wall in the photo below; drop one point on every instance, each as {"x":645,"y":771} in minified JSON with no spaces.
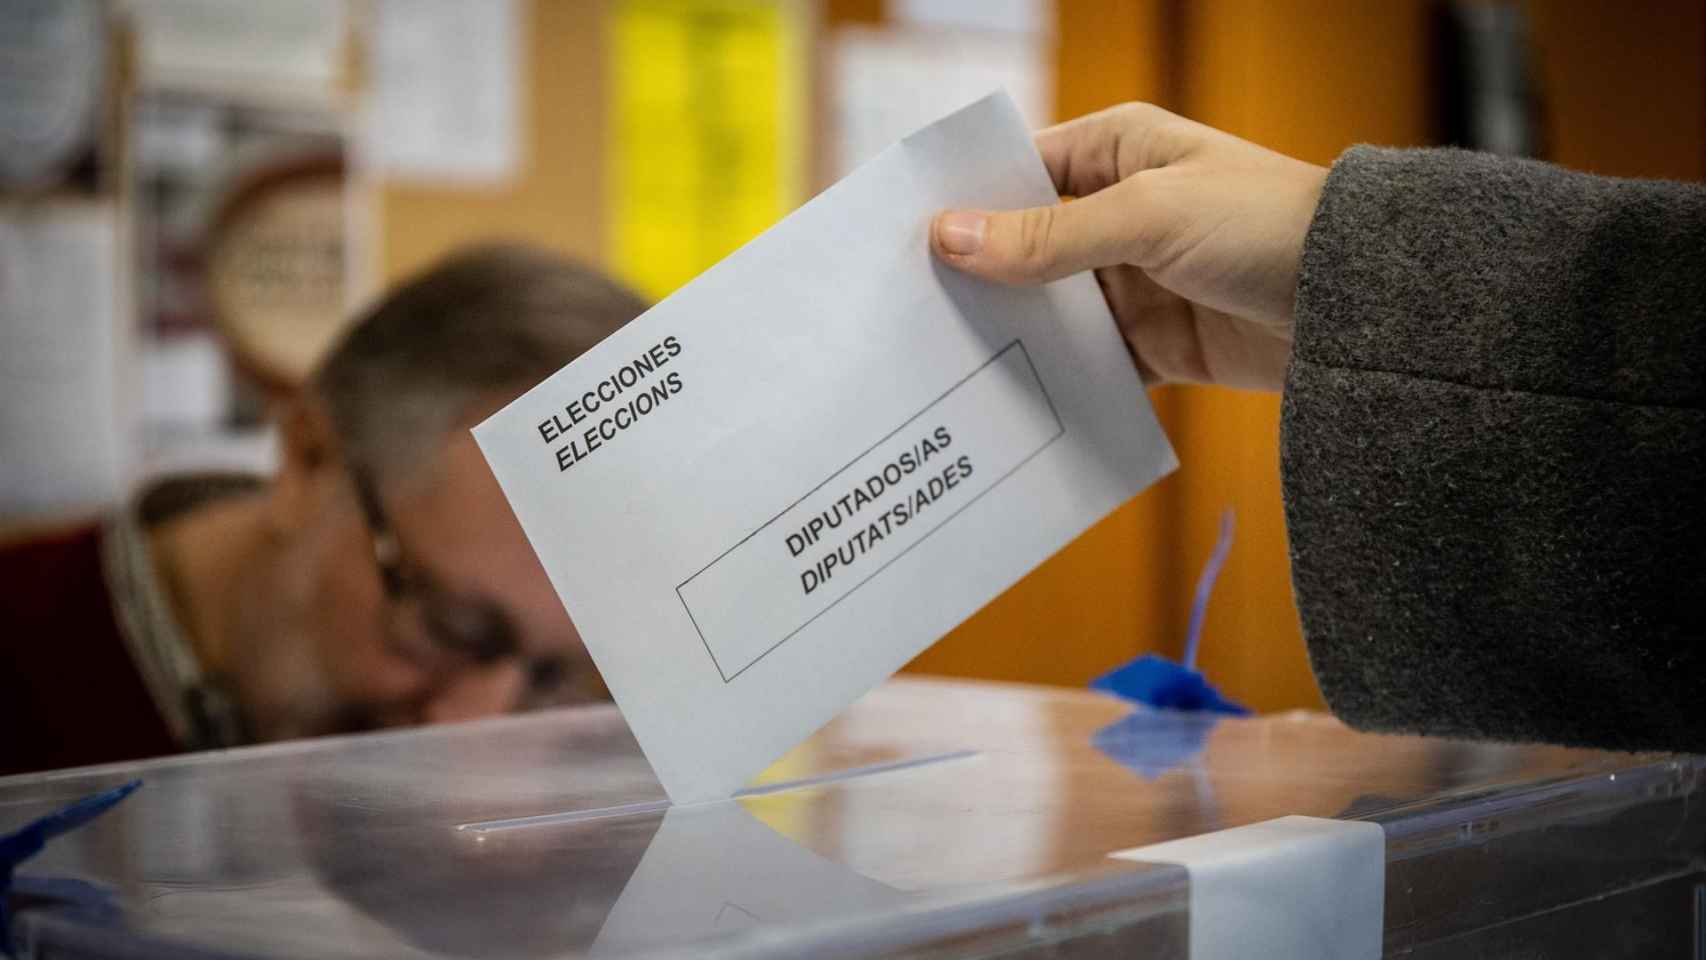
{"x":1307,"y":78}
{"x":1624,"y":92}
{"x":1105,"y":597}
{"x":1623,"y":85}
{"x":1278,"y":73}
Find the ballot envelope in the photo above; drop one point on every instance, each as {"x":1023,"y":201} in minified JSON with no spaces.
{"x":933,"y":818}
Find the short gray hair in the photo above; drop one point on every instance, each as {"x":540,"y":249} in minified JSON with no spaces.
{"x":481,"y":323}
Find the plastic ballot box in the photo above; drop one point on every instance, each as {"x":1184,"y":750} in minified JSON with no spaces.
{"x":934,"y":819}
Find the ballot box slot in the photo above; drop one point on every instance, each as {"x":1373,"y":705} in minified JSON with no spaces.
{"x":646,"y":807}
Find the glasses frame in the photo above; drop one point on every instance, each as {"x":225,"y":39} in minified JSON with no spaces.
{"x":551,"y":681}
{"x":405,"y":584}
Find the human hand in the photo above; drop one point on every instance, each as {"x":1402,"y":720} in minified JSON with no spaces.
{"x":1195,"y":235}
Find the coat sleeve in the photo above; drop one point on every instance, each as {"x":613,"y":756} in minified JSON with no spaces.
{"x":1493,"y":451}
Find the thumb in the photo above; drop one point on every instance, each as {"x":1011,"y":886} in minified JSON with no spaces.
{"x":1028,"y":247}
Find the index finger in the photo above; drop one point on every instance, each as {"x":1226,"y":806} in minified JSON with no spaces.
{"x":1100,"y":149}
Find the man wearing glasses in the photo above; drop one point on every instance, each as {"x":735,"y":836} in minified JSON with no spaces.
{"x":379,"y":579}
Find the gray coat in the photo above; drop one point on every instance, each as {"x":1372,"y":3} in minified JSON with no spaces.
{"x":1493,"y":450}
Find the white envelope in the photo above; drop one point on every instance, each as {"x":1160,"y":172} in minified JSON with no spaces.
{"x":765,"y":495}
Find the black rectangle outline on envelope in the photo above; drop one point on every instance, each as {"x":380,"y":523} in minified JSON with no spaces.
{"x":1060,"y":430}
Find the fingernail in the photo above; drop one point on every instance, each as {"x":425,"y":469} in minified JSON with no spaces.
{"x":961,"y":233}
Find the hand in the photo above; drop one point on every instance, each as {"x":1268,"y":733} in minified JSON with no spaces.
{"x":1195,"y":237}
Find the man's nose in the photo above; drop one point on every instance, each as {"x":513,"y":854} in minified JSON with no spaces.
{"x":477,"y":692}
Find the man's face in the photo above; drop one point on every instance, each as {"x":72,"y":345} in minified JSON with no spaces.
{"x":332,"y":651}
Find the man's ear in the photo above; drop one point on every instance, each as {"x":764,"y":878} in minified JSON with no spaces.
{"x":307,"y":451}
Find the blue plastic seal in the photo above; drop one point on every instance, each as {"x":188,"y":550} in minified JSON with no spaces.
{"x":1159,"y":682}
{"x":20,"y":845}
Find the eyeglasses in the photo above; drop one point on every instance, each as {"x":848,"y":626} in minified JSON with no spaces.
{"x":436,"y":628}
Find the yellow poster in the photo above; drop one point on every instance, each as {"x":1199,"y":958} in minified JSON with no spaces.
{"x":706,"y":123}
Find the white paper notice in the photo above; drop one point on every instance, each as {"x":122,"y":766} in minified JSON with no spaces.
{"x":764,"y":496}
{"x":66,"y":410}
{"x":445,"y":104}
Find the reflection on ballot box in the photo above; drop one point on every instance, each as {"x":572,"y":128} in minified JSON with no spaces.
{"x":923,"y":474}
{"x":930,"y":819}
{"x":765,"y":878}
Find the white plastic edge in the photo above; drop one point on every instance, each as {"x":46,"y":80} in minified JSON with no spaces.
{"x":1295,"y":888}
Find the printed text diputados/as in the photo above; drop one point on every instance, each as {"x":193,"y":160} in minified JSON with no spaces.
{"x":868,"y":530}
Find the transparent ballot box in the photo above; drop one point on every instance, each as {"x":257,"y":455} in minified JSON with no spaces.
{"x":931,"y":819}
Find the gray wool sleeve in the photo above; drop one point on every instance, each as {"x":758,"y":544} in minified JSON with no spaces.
{"x":1493,"y":451}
